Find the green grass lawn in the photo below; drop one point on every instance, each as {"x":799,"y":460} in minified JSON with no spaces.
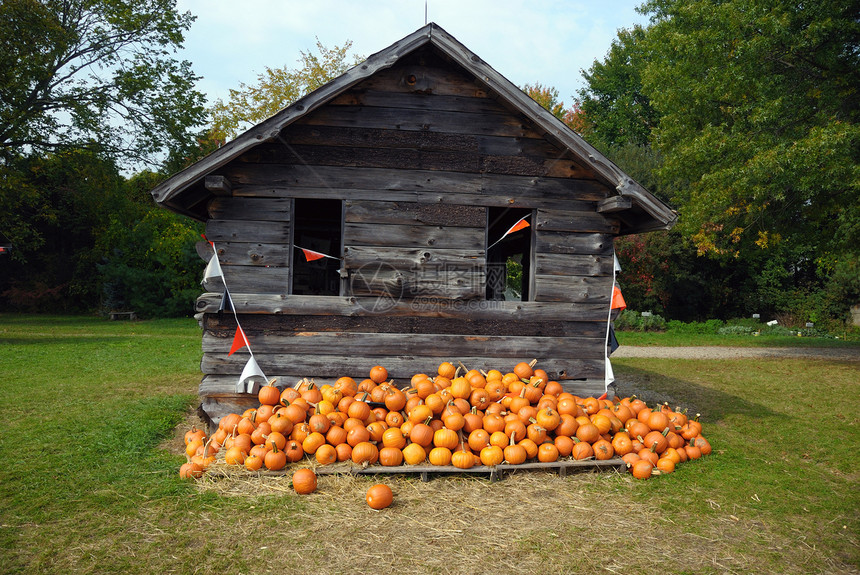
{"x":85,"y":487}
{"x":675,"y":339}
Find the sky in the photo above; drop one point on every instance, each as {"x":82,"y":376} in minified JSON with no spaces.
{"x":527,"y":41}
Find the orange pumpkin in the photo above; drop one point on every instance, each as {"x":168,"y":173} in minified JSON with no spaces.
{"x":304,"y":481}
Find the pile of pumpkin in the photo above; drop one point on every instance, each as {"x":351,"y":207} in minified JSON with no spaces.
{"x":477,"y":418}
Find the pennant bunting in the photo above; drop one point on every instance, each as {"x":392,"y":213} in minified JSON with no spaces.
{"x":616,"y":263}
{"x":239,"y":341}
{"x":252,"y":371}
{"x":610,"y":375}
{"x":311,"y":255}
{"x":213,"y":269}
{"x":618,"y":299}
{"x":520,"y":225}
{"x":226,"y":302}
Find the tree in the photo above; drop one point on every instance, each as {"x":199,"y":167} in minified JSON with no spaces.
{"x":616,"y":109}
{"x":277,"y":88}
{"x":759,"y":102}
{"x":95,"y":74}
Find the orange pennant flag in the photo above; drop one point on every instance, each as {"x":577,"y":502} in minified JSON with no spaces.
{"x":617,"y":299}
{"x":522,"y":224}
{"x":239,"y":341}
{"x":311,"y":255}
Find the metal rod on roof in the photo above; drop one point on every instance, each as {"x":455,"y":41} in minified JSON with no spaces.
{"x":425,"y":12}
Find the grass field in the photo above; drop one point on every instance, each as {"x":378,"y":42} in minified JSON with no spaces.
{"x":87,"y":487}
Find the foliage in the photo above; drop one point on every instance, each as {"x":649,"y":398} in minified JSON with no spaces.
{"x":65,"y":203}
{"x":277,"y":88}
{"x":759,"y":103}
{"x":96,"y":75}
{"x":617,"y":110}
{"x":547,"y":97}
{"x":629,"y":320}
{"x":151,"y":267}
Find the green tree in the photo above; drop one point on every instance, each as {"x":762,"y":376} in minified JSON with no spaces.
{"x":759,"y":102}
{"x":96,"y":74}
{"x":277,"y":88}
{"x":616,"y":109}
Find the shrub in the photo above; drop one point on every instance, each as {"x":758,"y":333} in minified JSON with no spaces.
{"x":634,"y":321}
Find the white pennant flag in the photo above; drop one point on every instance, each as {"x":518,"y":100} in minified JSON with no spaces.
{"x":610,"y":375}
{"x":213,"y":269}
{"x":617,"y":265}
{"x":246,"y":383}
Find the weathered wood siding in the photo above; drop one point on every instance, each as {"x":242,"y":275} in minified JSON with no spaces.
{"x":417,"y":153}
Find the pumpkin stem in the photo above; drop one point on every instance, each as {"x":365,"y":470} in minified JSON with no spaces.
{"x":533,"y":363}
{"x":466,"y":369}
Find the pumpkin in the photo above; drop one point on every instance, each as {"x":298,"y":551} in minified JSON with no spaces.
{"x":524,"y":370}
{"x":194,"y":434}
{"x":588,"y":433}
{"x":313,"y":442}
{"x":479,"y":439}
{"x":582,"y":450}
{"x":422,"y":434}
{"x":603,"y":450}
{"x":547,"y":452}
{"x":269,"y":394}
{"x":365,"y":453}
{"x":492,"y":455}
{"x":304,"y":481}
{"x":462,"y":459}
{"x":413,"y":454}
{"x":445,"y":437}
{"x":564,"y":444}
{"x":548,"y":418}
{"x":276,"y":459}
{"x":439,"y":456}
{"x":515,"y":453}
{"x":642,"y":469}
{"x":393,"y":437}
{"x":447,"y":370}
{"x":254,"y":462}
{"x":530,"y":447}
{"x":379,"y":496}
{"x":326,"y":454}
{"x":665,"y":465}
{"x":190,"y":470}
{"x":390,"y":457}
{"x":294,"y":451}
{"x":234,"y":456}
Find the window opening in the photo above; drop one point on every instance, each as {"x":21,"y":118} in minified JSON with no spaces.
{"x":509,"y":260}
{"x":317,"y":226}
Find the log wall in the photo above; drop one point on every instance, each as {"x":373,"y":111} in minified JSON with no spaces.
{"x":417,"y":153}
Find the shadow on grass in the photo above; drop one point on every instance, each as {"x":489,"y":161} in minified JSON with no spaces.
{"x":713,"y":404}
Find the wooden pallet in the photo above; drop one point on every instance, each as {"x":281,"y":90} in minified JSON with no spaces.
{"x":426,"y":472}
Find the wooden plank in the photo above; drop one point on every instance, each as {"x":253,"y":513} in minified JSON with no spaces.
{"x":488,"y":149}
{"x":250,"y":279}
{"x":253,"y":254}
{"x":433,"y":280}
{"x":411,"y":213}
{"x":572,"y":265}
{"x":614,"y":204}
{"x":257,"y":209}
{"x":412,"y":236}
{"x":573,"y":243}
{"x":437,"y":79}
{"x":412,"y":258}
{"x":572,"y":221}
{"x":575,"y":289}
{"x":401,"y":367}
{"x":266,"y":180}
{"x":224,"y":325}
{"x":423,"y":121}
{"x":218,"y":185}
{"x":370,"y":98}
{"x":428,"y":345}
{"x":253,"y":302}
{"x":394,"y":158}
{"x":248,"y":231}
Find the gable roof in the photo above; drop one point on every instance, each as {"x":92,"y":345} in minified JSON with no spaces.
{"x":638,"y":209}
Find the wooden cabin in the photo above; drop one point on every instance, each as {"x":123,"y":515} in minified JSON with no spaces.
{"x":408,"y":170}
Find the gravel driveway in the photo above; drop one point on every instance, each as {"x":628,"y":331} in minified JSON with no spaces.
{"x":717,"y":352}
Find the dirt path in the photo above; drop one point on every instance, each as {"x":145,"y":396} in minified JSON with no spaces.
{"x":715,"y":352}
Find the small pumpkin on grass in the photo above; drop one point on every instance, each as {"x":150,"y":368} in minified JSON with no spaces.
{"x":304,"y":481}
{"x":379,"y":496}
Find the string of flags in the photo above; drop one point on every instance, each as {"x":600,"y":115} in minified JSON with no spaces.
{"x":616,"y":302}
{"x":252,"y":374}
